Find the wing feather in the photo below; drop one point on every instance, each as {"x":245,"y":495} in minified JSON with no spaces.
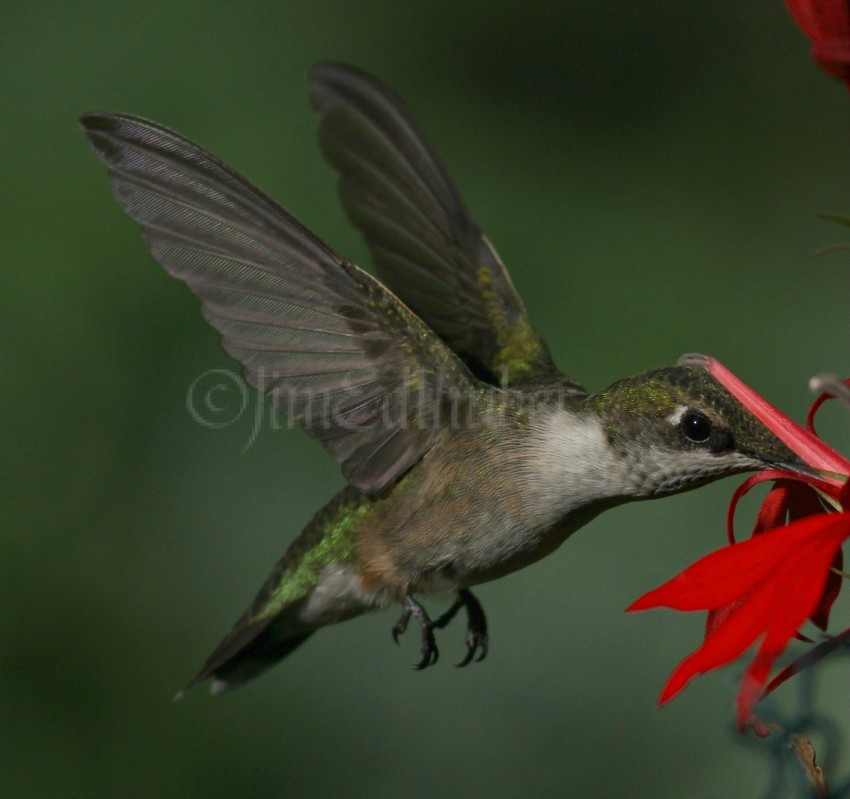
{"x":425,"y":244}
{"x":328,"y":343}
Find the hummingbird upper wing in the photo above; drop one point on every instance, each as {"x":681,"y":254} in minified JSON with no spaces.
{"x":326,"y":341}
{"x":424,"y":242}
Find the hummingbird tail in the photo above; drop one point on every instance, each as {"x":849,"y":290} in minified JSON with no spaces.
{"x":252,"y":661}
{"x":316,"y":583}
{"x":240,"y":658}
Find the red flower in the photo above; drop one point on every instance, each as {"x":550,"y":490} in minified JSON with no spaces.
{"x":827,"y":24}
{"x":768,"y":586}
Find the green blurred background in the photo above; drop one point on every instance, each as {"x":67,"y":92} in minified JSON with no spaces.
{"x":650,"y":172}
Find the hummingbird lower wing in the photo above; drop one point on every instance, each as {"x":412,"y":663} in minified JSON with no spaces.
{"x":425,"y":244}
{"x":327,"y":342}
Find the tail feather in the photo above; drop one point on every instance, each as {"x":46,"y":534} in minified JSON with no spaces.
{"x":252,"y":661}
{"x":243,"y":655}
{"x":314,"y":584}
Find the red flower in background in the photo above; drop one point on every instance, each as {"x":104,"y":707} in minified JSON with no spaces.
{"x":827,"y":24}
{"x":768,"y":586}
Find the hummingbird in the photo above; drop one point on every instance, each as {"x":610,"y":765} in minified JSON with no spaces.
{"x":467,"y":454}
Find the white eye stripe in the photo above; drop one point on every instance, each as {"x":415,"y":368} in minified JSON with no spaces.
{"x":676,"y":417}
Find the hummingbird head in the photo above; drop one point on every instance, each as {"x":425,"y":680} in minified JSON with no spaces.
{"x":677,"y":428}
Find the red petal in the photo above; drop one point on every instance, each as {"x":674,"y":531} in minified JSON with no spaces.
{"x":726,"y":643}
{"x":820,"y":616}
{"x":797,"y":600}
{"x":715,"y":618}
{"x":823,"y":397}
{"x":772,"y":514}
{"x":804,"y":16}
{"x":783,"y":584}
{"x":801,"y":502}
{"x":821,"y":20}
{"x":729,"y":573}
{"x":827,"y":24}
{"x":810,"y":416}
{"x":803,"y":499}
{"x":742,"y":490}
{"x":774,"y":509}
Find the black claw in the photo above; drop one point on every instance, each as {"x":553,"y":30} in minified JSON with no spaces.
{"x":430,"y":653}
{"x":473,"y":645}
{"x":400,"y":627}
{"x":476,"y":629}
{"x":475,"y":641}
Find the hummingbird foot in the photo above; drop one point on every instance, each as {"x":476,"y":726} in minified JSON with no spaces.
{"x":476,"y":628}
{"x":430,"y":653}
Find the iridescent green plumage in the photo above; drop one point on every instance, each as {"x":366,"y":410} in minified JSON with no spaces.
{"x":328,"y":538}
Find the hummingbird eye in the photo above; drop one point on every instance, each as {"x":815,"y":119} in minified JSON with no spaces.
{"x":695,"y":427}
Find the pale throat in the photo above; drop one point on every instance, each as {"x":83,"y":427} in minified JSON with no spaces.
{"x":569,"y":463}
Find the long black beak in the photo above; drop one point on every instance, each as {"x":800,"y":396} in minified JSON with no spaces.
{"x":796,"y":465}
